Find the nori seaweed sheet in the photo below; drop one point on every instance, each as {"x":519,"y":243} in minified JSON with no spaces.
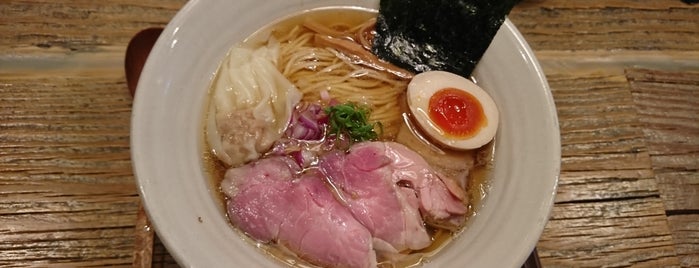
{"x":447,"y":35}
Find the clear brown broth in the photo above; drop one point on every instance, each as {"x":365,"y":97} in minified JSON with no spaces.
{"x":476,"y":182}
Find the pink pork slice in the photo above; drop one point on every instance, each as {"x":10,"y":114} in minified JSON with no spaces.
{"x":386,"y":186}
{"x":440,"y":198}
{"x":267,"y":203}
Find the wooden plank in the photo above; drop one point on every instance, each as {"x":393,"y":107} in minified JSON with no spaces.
{"x":608,"y":211}
{"x":620,"y":233}
{"x":605,"y":185}
{"x":64,"y":118}
{"x":685,"y":230}
{"x":679,"y":189}
{"x":668,"y":105}
{"x":69,"y":195}
{"x":601,"y":145}
{"x":44,"y":28}
{"x":608,"y":25}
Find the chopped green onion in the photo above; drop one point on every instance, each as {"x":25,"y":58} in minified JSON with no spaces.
{"x":352,"y":120}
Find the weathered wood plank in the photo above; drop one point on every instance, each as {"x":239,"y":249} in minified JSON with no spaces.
{"x":45,"y":27}
{"x":594,"y":185}
{"x":668,"y":105}
{"x":608,"y":212}
{"x":685,"y":231}
{"x":620,"y":233}
{"x":601,"y":144}
{"x":64,"y":117}
{"x":638,"y":25}
{"x":69,"y":196}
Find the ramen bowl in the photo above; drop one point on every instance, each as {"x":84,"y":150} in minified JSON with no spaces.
{"x":185,"y":208}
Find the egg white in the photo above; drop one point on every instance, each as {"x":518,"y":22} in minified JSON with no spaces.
{"x":424,"y":85}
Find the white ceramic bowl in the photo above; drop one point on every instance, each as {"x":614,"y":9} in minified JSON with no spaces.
{"x":167,"y":134}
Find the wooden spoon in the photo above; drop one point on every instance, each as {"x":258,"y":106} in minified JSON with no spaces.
{"x":136,"y":54}
{"x":532,"y":261}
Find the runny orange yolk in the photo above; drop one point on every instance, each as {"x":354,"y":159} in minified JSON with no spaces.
{"x":457,"y":113}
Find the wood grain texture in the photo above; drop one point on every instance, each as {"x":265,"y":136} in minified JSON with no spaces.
{"x":685,"y":231}
{"x":639,"y":25}
{"x":620,"y":233}
{"x":668,"y":105}
{"x":608,"y":211}
{"x":602,"y":146}
{"x":68,"y":192}
{"x":45,"y":27}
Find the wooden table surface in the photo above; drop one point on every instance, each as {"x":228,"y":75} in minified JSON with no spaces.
{"x":624,"y":75}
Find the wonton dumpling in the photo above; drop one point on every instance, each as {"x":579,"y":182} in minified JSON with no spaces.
{"x":252,"y":104}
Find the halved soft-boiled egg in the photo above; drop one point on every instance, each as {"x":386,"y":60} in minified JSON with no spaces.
{"x":452,"y":110}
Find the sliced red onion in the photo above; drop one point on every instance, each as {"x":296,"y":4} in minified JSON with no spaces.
{"x":307,"y":122}
{"x":305,"y":138}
